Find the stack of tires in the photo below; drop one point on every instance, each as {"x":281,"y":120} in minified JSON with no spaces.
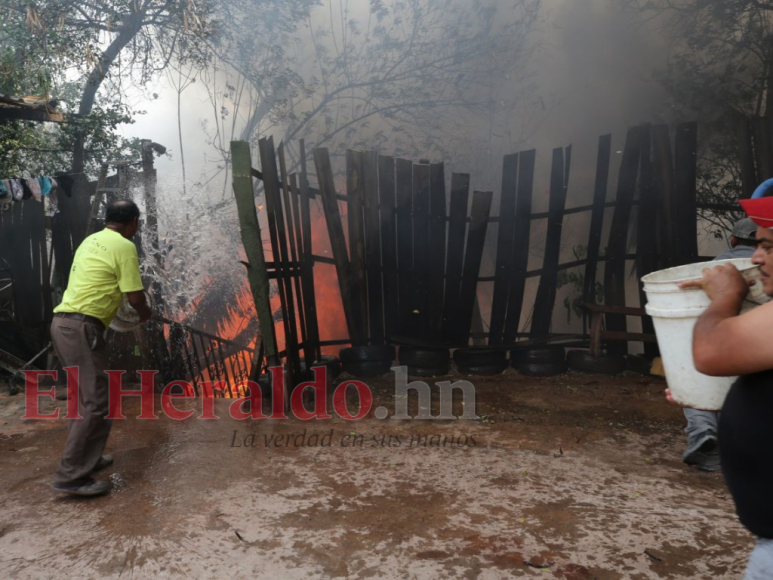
{"x":480,"y":362}
{"x":425,"y":362}
{"x":605,"y":364}
{"x":545,"y":361}
{"x":367,"y":361}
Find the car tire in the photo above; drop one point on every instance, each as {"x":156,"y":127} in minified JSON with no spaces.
{"x":584,"y":361}
{"x":542,"y":369}
{"x":425,"y":362}
{"x":483,"y":370}
{"x":367,"y":353}
{"x":469,"y":357}
{"x":541,"y":355}
{"x":368,"y":368}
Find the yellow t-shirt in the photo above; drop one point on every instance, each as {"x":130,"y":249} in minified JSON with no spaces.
{"x":105,"y":267}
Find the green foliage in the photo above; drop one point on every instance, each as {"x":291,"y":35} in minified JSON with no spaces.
{"x":86,"y":55}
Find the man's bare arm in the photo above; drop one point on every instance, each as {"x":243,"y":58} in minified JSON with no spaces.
{"x":138,"y":302}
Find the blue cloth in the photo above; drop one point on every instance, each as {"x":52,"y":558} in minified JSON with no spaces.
{"x":3,"y":191}
{"x":763,"y":190}
{"x":45,"y":185}
{"x":737,"y":252}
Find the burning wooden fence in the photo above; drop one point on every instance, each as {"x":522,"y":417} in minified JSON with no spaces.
{"x":408,"y":255}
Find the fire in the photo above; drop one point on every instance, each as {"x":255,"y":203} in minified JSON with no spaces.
{"x":241,"y":310}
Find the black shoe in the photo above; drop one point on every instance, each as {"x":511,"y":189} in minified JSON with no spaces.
{"x":104,"y":461}
{"x":88,"y":489}
{"x":706,"y":456}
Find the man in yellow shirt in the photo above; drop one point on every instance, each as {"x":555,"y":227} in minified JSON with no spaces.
{"x":105,"y":267}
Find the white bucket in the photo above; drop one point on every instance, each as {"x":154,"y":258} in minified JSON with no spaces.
{"x":674,"y":313}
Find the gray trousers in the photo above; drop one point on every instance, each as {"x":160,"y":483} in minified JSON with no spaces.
{"x":700,"y":426}
{"x":760,"y":565}
{"x":81,"y":344}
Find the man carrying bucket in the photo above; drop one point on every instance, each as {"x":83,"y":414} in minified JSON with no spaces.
{"x":727,"y":343}
{"x":702,"y":426}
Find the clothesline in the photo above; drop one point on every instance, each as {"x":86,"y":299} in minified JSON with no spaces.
{"x":17,"y":189}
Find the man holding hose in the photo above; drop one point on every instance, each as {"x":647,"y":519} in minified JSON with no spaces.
{"x":727,"y":343}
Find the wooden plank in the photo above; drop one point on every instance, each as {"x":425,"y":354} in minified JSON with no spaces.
{"x":404,"y":193}
{"x":548,"y":284}
{"x":313,"y":352}
{"x":421,"y":262}
{"x":437,"y":248}
{"x":686,"y":175}
{"x":521,"y":239}
{"x":290,"y":200}
{"x":749,"y":180}
{"x":355,"y":223}
{"x":763,"y":147}
{"x":626,"y":310}
{"x":597,"y":218}
{"x":647,"y":259}
{"x":628,"y":336}
{"x":369,"y":168}
{"x":457,"y":228}
{"x":504,"y":260}
{"x":476,"y":240}
{"x":386,"y":186}
{"x":280,"y":250}
{"x":614,"y":272}
{"x":663,"y":187}
{"x":338,"y":243}
{"x":249,"y":227}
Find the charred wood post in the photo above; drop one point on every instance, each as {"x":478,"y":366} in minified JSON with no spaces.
{"x":293,"y":226}
{"x":457,"y":228}
{"x":614,"y":273}
{"x":437,"y":248}
{"x":372,"y":235}
{"x":505,"y":237}
{"x":338,"y":245}
{"x":419,"y":317}
{"x":548,"y":284}
{"x":356,"y":227}
{"x":646,"y":240}
{"x":281,"y":255}
{"x":597,"y":220}
{"x":386,"y":185}
{"x":476,"y":240}
{"x":522,"y":234}
{"x":312,"y":352}
{"x":404,"y":207}
{"x":663,"y":186}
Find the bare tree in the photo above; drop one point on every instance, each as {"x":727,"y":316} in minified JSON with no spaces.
{"x":412,"y":75}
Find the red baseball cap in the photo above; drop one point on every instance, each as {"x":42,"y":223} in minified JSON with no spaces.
{"x":760,"y":210}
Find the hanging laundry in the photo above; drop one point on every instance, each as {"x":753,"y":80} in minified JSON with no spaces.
{"x":34,"y":186}
{"x":45,"y":185}
{"x":26,"y":189}
{"x":51,"y":202}
{"x":17,"y":189}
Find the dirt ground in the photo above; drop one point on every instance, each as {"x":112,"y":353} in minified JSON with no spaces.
{"x":576,"y":476}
